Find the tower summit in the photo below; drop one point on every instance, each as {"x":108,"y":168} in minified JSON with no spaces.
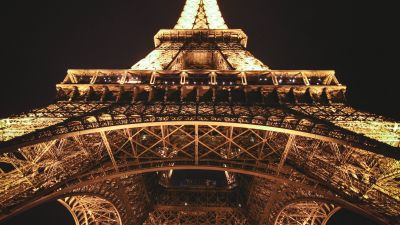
{"x":201,"y":132}
{"x":201,"y":14}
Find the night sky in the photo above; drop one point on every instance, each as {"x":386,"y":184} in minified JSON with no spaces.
{"x":42,"y":39}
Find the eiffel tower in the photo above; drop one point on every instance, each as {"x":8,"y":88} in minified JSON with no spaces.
{"x":201,"y":132}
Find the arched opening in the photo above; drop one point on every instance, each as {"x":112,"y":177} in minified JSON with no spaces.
{"x":49,"y":213}
{"x":320,"y":212}
{"x":193,"y":195}
{"x":344,"y":216}
{"x":307,"y":212}
{"x":235,"y":148}
{"x":74,"y":210}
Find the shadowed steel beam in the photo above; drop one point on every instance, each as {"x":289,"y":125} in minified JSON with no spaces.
{"x":274,"y":195}
{"x":196,"y":143}
{"x":109,"y":150}
{"x":132,"y":143}
{"x":310,"y":216}
{"x":286,"y":152}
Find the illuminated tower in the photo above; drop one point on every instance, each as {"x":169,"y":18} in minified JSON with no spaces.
{"x":201,"y":132}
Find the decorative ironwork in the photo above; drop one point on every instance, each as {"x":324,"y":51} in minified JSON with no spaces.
{"x":289,"y":146}
{"x":87,"y":210}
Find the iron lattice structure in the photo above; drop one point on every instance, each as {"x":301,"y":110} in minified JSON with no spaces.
{"x":294,"y":150}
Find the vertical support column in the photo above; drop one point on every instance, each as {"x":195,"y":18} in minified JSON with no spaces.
{"x":196,"y":143}
{"x":153,"y":77}
{"x":274,"y":79}
{"x":285,"y":152}
{"x":243,"y":78}
{"x":264,"y":141}
{"x":230,"y":139}
{"x":183,"y":76}
{"x":274,"y":194}
{"x":213,"y":78}
{"x":109,"y":150}
{"x":305,"y":79}
{"x":133,"y":146}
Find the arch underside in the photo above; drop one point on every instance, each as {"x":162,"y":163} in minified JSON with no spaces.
{"x":319,"y":168}
{"x":91,"y":210}
{"x":306,"y":212}
{"x":317,"y":121}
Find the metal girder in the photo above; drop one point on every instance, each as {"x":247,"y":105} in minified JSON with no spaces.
{"x":273,"y":118}
{"x":142,"y":149}
{"x":371,"y":125}
{"x":285,"y":153}
{"x":109,"y":150}
{"x":90,"y":210}
{"x":118,"y":201}
{"x":305,"y":213}
{"x":196,"y":144}
{"x":274,"y":195}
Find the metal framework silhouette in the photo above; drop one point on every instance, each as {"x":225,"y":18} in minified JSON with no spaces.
{"x":293,"y":147}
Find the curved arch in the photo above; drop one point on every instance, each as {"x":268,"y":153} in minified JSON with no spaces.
{"x":240,"y":159}
{"x":91,"y":210}
{"x":300,"y":126}
{"x":85,"y":180}
{"x":328,"y":207}
{"x":306,"y":212}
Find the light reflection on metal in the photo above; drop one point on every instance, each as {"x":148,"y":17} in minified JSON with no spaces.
{"x":200,"y":100}
{"x":369,"y":124}
{"x":160,"y":58}
{"x":91,"y":210}
{"x":201,"y":14}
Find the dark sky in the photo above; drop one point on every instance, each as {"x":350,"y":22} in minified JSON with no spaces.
{"x":42,"y":39}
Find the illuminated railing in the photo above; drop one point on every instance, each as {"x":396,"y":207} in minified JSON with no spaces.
{"x":205,"y":35}
{"x":203,"y":77}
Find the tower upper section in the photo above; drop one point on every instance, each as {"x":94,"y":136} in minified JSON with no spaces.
{"x":201,"y":14}
{"x":200,"y":40}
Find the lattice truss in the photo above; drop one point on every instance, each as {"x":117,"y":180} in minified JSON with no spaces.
{"x":37,"y":119}
{"x":305,"y":213}
{"x":88,"y":210}
{"x":240,"y":58}
{"x":202,"y":49}
{"x":118,"y":201}
{"x":369,"y":180}
{"x":167,"y":55}
{"x":201,"y":206}
{"x":190,"y":217}
{"x":272,"y":203}
{"x":371,"y":125}
{"x":124,"y":114}
{"x":92,"y":151}
{"x":201,"y":14}
{"x":160,"y":58}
